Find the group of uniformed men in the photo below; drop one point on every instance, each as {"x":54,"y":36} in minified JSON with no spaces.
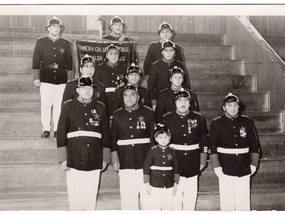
{"x":106,"y":118}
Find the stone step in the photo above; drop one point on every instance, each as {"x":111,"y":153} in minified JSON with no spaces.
{"x":22,"y":82}
{"x":36,"y":149}
{"x":264,"y":121}
{"x":263,"y":198}
{"x":213,"y":100}
{"x":24,"y":65}
{"x":138,"y":37}
{"x":10,"y":48}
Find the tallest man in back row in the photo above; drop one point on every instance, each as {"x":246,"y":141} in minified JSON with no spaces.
{"x":52,"y":68}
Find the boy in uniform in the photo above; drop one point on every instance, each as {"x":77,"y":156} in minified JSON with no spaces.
{"x":132,"y":132}
{"x":160,"y":71}
{"x":190,"y":140}
{"x":52,"y":69}
{"x":86,"y":69}
{"x":234,"y":153}
{"x":133,"y":76}
{"x":161,"y":171}
{"x":83,"y":147}
{"x":166,"y":97}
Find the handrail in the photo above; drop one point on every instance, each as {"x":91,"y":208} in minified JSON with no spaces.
{"x":262,"y":42}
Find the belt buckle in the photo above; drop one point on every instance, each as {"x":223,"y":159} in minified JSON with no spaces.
{"x":55,"y":66}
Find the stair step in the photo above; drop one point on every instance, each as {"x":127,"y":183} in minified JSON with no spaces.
{"x":17,"y":82}
{"x":264,"y":121}
{"x":222,"y":83}
{"x":198,"y":52}
{"x":213,"y":100}
{"x":138,"y":37}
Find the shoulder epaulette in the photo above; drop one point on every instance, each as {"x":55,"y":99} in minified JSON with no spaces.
{"x":41,"y":37}
{"x":69,"y":100}
{"x":100,"y":103}
{"x":216,"y":118}
{"x":100,"y":83}
{"x":245,"y":116}
{"x":153,"y":147}
{"x":167,"y":113}
{"x":118,"y":109}
{"x":155,"y":62}
{"x":197,"y":113}
{"x":171,"y":147}
{"x":163,"y":90}
{"x":179,"y":61}
{"x":100,"y":64}
{"x":147,"y":107}
{"x":153,"y":42}
{"x":68,"y":40}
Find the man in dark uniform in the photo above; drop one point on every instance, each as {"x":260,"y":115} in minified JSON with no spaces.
{"x":52,"y":68}
{"x":133,"y":76}
{"x":116,"y":27}
{"x":86,"y":69}
{"x":234,"y":153}
{"x":111,"y":74}
{"x":161,"y":171}
{"x":165,"y":32}
{"x":160,"y":72}
{"x":190,"y":139}
{"x":132,"y":132}
{"x":83,"y":145}
{"x":166,"y":97}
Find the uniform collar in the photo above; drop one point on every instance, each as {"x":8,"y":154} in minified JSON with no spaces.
{"x":175,"y":88}
{"x":84,"y":102}
{"x":167,"y":61}
{"x":133,"y":108}
{"x":53,"y":39}
{"x":182,"y":114}
{"x":111,"y":65}
{"x":162,"y":147}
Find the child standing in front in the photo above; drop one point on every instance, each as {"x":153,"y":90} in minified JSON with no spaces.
{"x":161,"y":171}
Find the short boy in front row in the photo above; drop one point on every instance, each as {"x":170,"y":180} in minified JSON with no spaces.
{"x":161,"y":171}
{"x":234,"y":152}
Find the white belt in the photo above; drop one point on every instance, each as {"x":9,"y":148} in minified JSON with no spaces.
{"x":185,"y":147}
{"x":84,"y":134}
{"x":232,"y":151}
{"x":110,"y":89}
{"x":161,"y":167}
{"x":133,"y":141}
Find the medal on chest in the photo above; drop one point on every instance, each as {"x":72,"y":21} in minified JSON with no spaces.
{"x":95,"y":120}
{"x":242,"y":132}
{"x":191,"y":124}
{"x":141,"y":123}
{"x":119,"y":81}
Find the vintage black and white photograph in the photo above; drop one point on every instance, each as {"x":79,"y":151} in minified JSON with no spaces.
{"x":142,"y":107}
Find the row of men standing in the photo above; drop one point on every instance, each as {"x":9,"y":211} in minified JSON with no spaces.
{"x":83,"y":129}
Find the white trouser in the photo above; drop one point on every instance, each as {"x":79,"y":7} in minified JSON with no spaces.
{"x":51,"y":99}
{"x":160,"y":199}
{"x":186,"y":196}
{"x":132,"y":188}
{"x":234,"y":193}
{"x":82,"y":189}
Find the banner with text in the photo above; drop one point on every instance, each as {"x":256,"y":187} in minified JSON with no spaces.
{"x":97,"y":49}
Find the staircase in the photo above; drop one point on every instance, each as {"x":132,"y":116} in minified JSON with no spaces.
{"x":30,"y":177}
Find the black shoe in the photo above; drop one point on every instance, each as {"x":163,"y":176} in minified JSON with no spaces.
{"x":54,"y":133}
{"x":45,"y":134}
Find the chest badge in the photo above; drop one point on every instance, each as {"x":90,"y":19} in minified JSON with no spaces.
{"x":169,"y":157}
{"x":242,"y":132}
{"x":95,"y":121}
{"x":119,"y":81}
{"x":62,"y":51}
{"x":141,"y":123}
{"x":192,"y":123}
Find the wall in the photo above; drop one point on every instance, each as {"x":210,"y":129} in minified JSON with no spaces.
{"x":270,"y":78}
{"x":269,"y":25}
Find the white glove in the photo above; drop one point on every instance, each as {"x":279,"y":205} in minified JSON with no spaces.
{"x":37,"y":82}
{"x":253,"y":169}
{"x":218,"y":171}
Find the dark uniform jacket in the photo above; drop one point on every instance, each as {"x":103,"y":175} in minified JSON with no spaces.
{"x":159,"y":77}
{"x":52,"y":58}
{"x":228,"y":136}
{"x":154,"y":54}
{"x":71,"y":93}
{"x":165,"y":103}
{"x":188,"y":131}
{"x":82,"y":135}
{"x":132,"y":133}
{"x":112,"y":77}
{"x":119,"y":102}
{"x":156,"y":160}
